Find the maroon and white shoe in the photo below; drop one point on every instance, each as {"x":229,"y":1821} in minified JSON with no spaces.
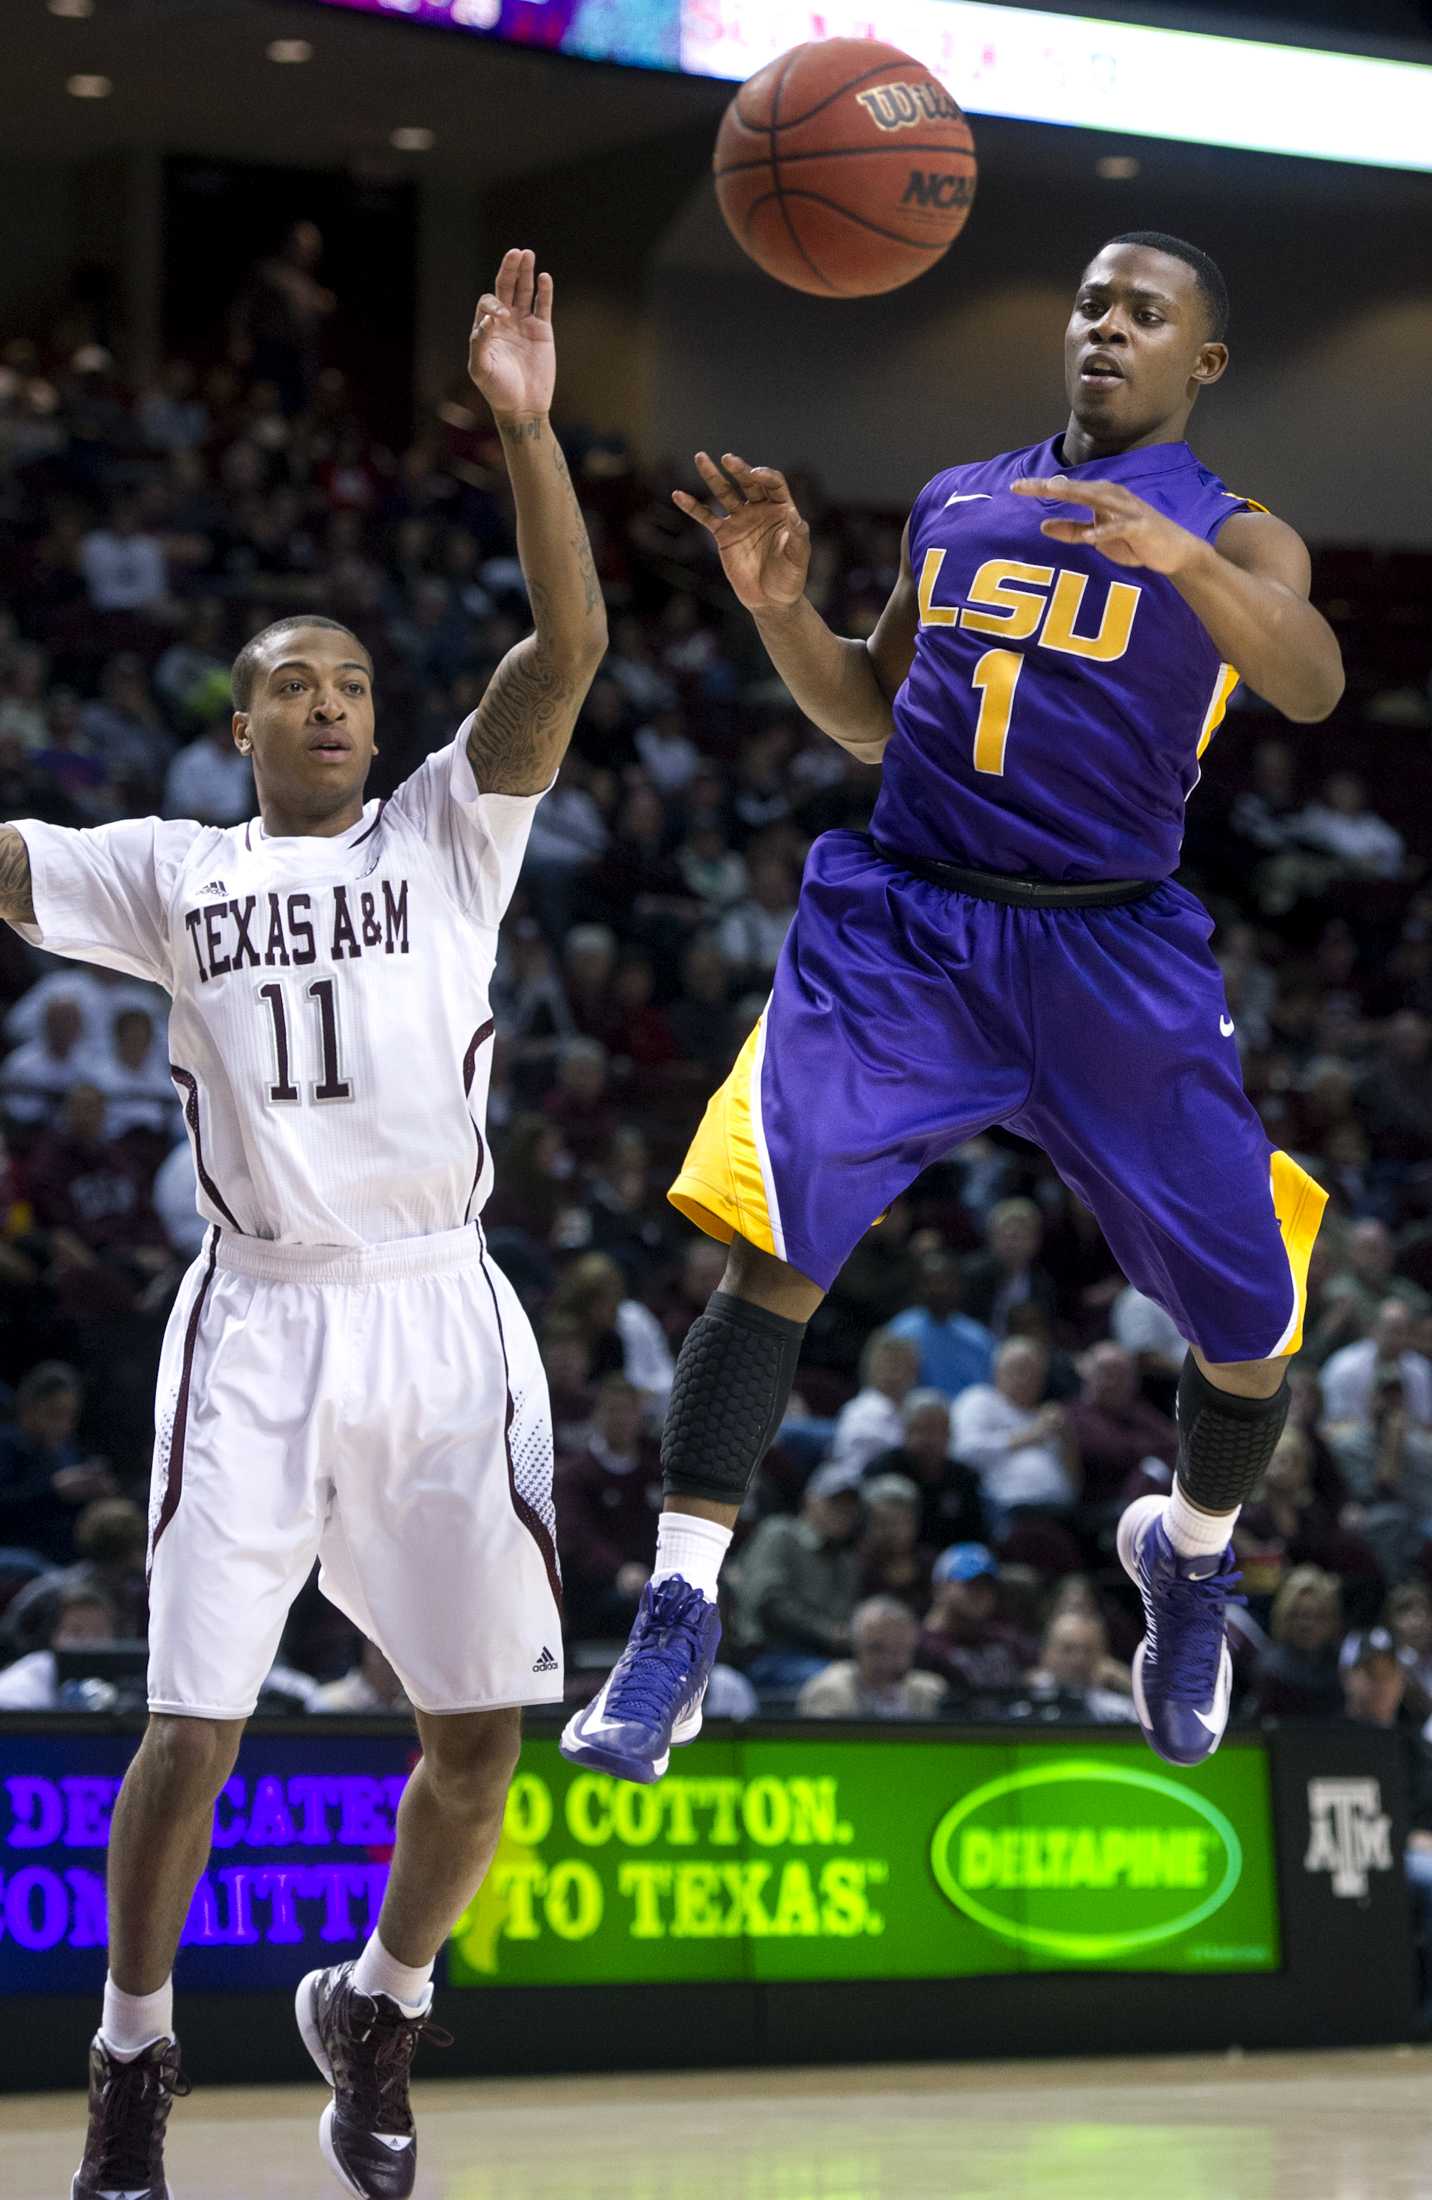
{"x":129,"y":2104}
{"x":364,"y":2045}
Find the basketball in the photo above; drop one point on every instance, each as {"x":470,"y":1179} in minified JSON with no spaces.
{"x":844,"y":168}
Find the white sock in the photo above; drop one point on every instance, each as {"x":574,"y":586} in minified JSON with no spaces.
{"x":376,"y":1972}
{"x":692,"y":1547}
{"x":1196,"y":1534}
{"x":132,"y":2022}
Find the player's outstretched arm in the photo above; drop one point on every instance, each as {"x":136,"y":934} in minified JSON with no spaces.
{"x":844,"y":687}
{"x":17,"y":901}
{"x":524,"y":721}
{"x":1250,"y":588}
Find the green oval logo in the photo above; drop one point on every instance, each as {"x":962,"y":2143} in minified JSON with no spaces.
{"x":1086,"y":1860}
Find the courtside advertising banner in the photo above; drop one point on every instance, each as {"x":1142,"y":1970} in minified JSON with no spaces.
{"x":817,"y":1857}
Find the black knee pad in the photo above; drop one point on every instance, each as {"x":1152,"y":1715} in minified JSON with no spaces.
{"x":733,"y":1378}
{"x":1224,"y":1443}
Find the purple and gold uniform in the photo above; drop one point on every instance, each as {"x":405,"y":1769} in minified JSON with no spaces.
{"x":1051,"y":728}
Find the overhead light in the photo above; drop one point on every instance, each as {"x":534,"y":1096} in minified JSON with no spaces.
{"x":289,"y":49}
{"x":88,"y":87}
{"x":1116,"y":167}
{"x":78,"y":8}
{"x":413,"y":141}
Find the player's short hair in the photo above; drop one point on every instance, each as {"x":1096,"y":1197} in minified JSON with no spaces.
{"x":1212,"y":287}
{"x":246,"y":665}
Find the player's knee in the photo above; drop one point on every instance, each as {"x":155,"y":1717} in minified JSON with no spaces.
{"x":1245,"y":1378}
{"x":762,"y":1279}
{"x":190,"y":1759}
{"x":469,"y":1762}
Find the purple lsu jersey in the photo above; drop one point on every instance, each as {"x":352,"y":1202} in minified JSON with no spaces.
{"x":1058,"y":704}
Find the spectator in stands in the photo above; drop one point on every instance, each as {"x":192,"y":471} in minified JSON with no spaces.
{"x":1142,"y":1327}
{"x":369,"y":1686}
{"x":712,"y":871}
{"x":622,"y":1336}
{"x":276,"y":320}
{"x":124,"y":727}
{"x":1341,"y":825}
{"x":797,"y":1583}
{"x":951,"y":1503}
{"x":123,"y":565}
{"x":75,"y":1618}
{"x":753,"y":930}
{"x":1024,"y":1452}
{"x":1297,"y":1677}
{"x":1408,"y":1618}
{"x":1285,"y":1524}
{"x":701,"y":1021}
{"x":580,"y":1104}
{"x":191,"y":678}
{"x":964,"y":1640}
{"x":209,"y":780}
{"x":879,"y":1681}
{"x":589,"y":962}
{"x":90,"y":1195}
{"x":573,"y":1398}
{"x":703,"y":1264}
{"x":173,"y":1196}
{"x":1374,"y":1690}
{"x":132,"y":1074}
{"x":1008,"y":1273}
{"x":1386,"y":1462}
{"x":1351,"y":1376}
{"x":872,"y":1420}
{"x":111,"y":1538}
{"x":894,"y":1562}
{"x":954,"y":1351}
{"x":1119,"y":1434}
{"x":1395,"y":1096}
{"x":36,"y":1077}
{"x":608,"y":1497}
{"x":1363,"y":1277}
{"x":1071,"y":1671}
{"x":45,"y":1477}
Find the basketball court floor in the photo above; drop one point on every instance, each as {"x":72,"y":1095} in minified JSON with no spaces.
{"x":1351,"y":2126}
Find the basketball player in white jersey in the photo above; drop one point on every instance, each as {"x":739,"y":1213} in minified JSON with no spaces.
{"x":346,"y":1374}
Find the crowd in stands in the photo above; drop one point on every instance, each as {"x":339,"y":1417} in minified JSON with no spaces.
{"x":982,"y":1392}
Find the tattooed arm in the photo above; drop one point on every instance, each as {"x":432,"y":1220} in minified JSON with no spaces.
{"x":17,"y":904}
{"x":524,"y":721}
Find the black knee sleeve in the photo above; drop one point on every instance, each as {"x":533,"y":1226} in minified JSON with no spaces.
{"x":733,"y":1378}
{"x":1224,"y":1443}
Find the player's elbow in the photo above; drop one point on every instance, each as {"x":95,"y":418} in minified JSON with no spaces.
{"x":1320,"y":701}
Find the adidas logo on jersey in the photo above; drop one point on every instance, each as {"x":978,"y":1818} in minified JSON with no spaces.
{"x":546,"y":1663}
{"x":215,"y":886}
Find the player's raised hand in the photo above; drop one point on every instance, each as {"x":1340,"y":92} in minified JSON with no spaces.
{"x":1123,"y":527}
{"x":752,"y":517}
{"x":511,"y":357}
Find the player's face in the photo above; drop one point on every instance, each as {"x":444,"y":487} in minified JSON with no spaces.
{"x":1137,"y":347}
{"x":310,"y":723}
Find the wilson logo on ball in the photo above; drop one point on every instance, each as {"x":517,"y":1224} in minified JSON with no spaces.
{"x":901,"y":106}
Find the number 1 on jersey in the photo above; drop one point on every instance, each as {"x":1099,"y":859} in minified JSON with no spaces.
{"x":995,"y":677}
{"x":331,"y":1086}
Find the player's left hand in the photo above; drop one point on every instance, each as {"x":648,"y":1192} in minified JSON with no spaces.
{"x":511,"y":356}
{"x":1124,"y":528}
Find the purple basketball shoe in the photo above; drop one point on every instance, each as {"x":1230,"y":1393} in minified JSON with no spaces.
{"x":1183,"y":1675}
{"x":654,"y":1696}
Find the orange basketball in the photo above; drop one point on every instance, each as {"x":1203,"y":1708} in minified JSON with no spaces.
{"x":844,"y":168}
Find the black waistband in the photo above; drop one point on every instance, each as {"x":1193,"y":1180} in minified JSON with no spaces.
{"x":1021,"y":893}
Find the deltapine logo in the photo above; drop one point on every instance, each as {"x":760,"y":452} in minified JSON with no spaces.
{"x":1086,"y":1860}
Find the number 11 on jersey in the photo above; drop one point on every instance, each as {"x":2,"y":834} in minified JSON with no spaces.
{"x":332,"y":1085}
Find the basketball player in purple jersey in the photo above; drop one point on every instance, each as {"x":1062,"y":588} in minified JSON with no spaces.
{"x":1007,"y":945}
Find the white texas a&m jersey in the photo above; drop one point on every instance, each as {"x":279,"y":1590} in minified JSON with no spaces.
{"x":330,"y":1035}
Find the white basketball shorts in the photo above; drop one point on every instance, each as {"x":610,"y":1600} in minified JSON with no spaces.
{"x":384,"y":1411}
